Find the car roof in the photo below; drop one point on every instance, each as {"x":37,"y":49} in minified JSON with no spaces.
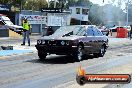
{"x":87,"y":27}
{"x":84,"y":25}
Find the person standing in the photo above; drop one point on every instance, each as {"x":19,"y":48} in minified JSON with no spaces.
{"x":50,"y":31}
{"x":26,"y":31}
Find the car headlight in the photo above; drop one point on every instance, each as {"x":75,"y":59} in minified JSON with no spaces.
{"x":39,"y":41}
{"x":62,"y":43}
{"x":43,"y":41}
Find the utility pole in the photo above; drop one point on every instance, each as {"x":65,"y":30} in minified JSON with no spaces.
{"x":21,"y":6}
{"x":54,"y":3}
{"x":119,"y":4}
{"x":32,"y":6}
{"x":127,"y":5}
{"x":48,"y":3}
{"x":103,"y":13}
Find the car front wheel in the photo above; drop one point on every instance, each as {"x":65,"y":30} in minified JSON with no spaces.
{"x":42,"y":56}
{"x":78,"y":55}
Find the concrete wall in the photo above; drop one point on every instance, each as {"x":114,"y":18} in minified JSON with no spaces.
{"x":4,"y":33}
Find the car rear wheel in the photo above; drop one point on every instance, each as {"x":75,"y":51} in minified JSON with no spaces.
{"x":79,"y":54}
{"x":101,"y":52}
{"x":42,"y":56}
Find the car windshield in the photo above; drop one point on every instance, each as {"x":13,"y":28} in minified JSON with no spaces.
{"x":70,"y":30}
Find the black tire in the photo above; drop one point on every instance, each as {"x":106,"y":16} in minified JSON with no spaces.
{"x":42,"y":56}
{"x":78,"y":55}
{"x":96,"y":55}
{"x":101,"y":52}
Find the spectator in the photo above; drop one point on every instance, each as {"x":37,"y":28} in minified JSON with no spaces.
{"x":50,"y":30}
{"x":26,"y":31}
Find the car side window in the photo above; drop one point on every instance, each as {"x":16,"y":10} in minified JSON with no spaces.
{"x":82,"y":32}
{"x":97,"y":32}
{"x":90,"y":32}
{"x":100,"y":33}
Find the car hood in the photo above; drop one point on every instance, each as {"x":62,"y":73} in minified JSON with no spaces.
{"x":72,"y":37}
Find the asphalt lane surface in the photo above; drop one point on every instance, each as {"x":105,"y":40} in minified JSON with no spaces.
{"x":26,"y":71}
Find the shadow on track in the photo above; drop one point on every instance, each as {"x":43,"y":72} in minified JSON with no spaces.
{"x":59,"y":60}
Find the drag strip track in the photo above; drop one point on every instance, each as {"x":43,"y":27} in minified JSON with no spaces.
{"x":25,"y":71}
{"x":118,"y":47}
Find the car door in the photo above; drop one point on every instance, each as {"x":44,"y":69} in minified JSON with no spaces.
{"x":103,"y":39}
{"x":98,"y":38}
{"x":96,"y":45}
{"x":89,"y":40}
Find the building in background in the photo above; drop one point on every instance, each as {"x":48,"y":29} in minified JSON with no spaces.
{"x":35,"y":19}
{"x":79,"y":14}
{"x":53,"y":17}
{"x":56,"y":17}
{"x":75,"y":15}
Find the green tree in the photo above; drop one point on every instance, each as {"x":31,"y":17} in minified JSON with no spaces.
{"x":34,"y":4}
{"x":14,"y":2}
{"x":51,"y":4}
{"x":59,"y":4}
{"x":3,"y":1}
{"x":17,"y":2}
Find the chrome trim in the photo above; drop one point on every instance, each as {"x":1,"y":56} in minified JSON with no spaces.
{"x":74,"y":46}
{"x":84,"y":46}
{"x":87,"y":46}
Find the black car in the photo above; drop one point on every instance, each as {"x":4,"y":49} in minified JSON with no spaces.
{"x":73,"y":40}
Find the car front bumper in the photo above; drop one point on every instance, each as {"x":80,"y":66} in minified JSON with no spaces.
{"x":59,"y":50}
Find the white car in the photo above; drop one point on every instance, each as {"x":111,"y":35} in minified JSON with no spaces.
{"x":5,"y":23}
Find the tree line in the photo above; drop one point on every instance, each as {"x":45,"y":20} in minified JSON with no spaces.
{"x":37,"y":4}
{"x":98,"y":14}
